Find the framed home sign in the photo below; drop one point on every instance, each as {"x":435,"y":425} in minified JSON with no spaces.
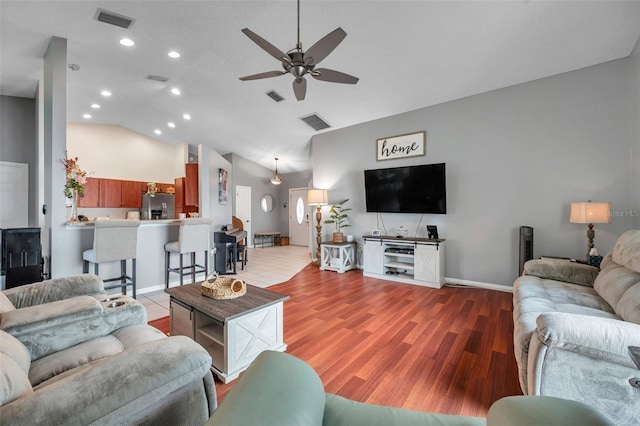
{"x":401,"y":146}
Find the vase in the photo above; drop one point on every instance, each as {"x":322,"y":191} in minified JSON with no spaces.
{"x":74,"y":206}
{"x":338,"y":237}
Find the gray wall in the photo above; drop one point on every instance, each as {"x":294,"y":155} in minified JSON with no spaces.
{"x":247,"y":173}
{"x":515,"y":156}
{"x":635,"y":121}
{"x":18,"y":141}
{"x":290,"y":181}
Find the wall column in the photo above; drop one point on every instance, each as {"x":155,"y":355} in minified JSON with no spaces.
{"x":55,"y":143}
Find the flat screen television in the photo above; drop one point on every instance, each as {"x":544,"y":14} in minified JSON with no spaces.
{"x":412,"y":189}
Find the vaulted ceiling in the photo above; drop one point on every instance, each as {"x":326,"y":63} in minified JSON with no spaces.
{"x":407,"y":54}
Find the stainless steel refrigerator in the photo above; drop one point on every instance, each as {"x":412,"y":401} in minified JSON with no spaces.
{"x":157,"y":206}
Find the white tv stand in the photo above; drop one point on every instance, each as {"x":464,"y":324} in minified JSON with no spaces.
{"x":418,"y":261}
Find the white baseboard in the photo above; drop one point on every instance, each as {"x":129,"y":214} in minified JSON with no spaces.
{"x":478,"y":284}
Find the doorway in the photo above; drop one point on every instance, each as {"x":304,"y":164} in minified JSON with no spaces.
{"x":243,"y":209}
{"x":298,"y":217}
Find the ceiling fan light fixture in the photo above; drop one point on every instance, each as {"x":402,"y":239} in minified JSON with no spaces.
{"x":276,"y":180}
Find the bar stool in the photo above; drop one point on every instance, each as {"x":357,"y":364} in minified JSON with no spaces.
{"x":194,"y":235}
{"x":113,"y":240}
{"x":237,"y":254}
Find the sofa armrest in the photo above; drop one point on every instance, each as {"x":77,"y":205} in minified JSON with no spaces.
{"x":115,"y":389}
{"x":562,"y":270}
{"x":277,"y":389}
{"x":51,"y":327}
{"x":601,"y":338}
{"x":35,"y":318}
{"x":55,"y":289}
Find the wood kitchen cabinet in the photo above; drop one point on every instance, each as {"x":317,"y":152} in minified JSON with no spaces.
{"x":91,"y":197}
{"x":132,"y":193}
{"x":163,"y":187}
{"x":110,"y":193}
{"x":191,"y":185}
{"x":121,"y":193}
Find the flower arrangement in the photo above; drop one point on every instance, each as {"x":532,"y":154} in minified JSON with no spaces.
{"x":76,"y":177}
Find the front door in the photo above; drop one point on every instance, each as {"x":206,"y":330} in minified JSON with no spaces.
{"x":243,"y":209}
{"x":298,"y":217}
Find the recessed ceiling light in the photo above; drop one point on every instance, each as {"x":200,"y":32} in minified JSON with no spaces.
{"x":186,"y":116}
{"x":171,"y":124}
{"x":175,"y":91}
{"x":127,"y":42}
{"x":86,"y":116}
{"x":105,"y":93}
{"x":157,"y":131}
{"x":173,"y":54}
{"x":95,"y":106}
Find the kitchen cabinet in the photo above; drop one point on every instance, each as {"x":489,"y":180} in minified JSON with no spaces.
{"x":132,"y":193}
{"x":110,"y":193}
{"x":163,"y":187}
{"x":91,"y":197}
{"x":191,"y":185}
{"x":121,"y":193}
{"x":179,"y":197}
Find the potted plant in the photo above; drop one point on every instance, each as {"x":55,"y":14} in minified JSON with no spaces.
{"x":339,"y":216}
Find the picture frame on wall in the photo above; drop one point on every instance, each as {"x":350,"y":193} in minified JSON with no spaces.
{"x":222,"y":186}
{"x":401,"y":146}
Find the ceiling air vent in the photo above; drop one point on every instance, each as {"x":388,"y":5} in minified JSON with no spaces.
{"x":315,"y":121}
{"x":275,"y":96}
{"x":157,"y":78}
{"x":113,"y":19}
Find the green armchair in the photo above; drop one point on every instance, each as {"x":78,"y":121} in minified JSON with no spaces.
{"x":279,"y":389}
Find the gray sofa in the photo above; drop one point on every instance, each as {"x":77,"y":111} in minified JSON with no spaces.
{"x":573,"y":325}
{"x":70,"y":354}
{"x":281,"y":390}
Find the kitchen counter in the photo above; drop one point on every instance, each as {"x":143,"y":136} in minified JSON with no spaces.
{"x":150,"y":256}
{"x":90,"y":223}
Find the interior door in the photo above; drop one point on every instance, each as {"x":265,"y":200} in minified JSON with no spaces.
{"x":299,"y":217}
{"x":243,"y":209}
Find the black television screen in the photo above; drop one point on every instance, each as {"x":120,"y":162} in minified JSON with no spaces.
{"x":413,"y":189}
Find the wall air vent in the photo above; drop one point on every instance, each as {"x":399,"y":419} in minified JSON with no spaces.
{"x":275,"y":96}
{"x":315,"y":121}
{"x":157,"y":78}
{"x":113,"y":18}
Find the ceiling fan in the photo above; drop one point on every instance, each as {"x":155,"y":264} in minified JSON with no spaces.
{"x":299,"y":63}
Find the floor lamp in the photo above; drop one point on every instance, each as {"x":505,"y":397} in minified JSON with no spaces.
{"x":590,"y":213}
{"x":318,"y":198}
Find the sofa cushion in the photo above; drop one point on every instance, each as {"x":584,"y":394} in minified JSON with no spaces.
{"x":613,"y":282}
{"x":58,"y":362}
{"x":14,"y":382}
{"x":14,"y":362}
{"x":5,"y":304}
{"x":55,"y":289}
{"x":626,"y":252}
{"x":14,"y":349}
{"x":629,"y":305}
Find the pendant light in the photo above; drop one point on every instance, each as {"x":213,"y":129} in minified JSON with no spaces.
{"x":276,"y":179}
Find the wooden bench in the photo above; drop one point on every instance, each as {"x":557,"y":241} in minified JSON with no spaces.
{"x":269,"y":236}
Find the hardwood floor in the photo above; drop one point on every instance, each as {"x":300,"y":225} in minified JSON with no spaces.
{"x":447,"y":351}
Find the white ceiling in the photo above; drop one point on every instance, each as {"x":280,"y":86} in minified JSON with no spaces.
{"x":407,"y":54}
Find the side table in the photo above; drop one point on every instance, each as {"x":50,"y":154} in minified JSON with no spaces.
{"x":339,"y":257}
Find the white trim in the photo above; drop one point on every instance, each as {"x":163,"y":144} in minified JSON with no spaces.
{"x":478,"y":284}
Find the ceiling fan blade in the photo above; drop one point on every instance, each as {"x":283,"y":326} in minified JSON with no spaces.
{"x":267,"y":74}
{"x":300,"y":88}
{"x":332,"y":76}
{"x":268,"y":47}
{"x":324,"y":46}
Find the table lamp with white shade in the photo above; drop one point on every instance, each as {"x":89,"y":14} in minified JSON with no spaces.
{"x":590,"y":213}
{"x":318,"y":198}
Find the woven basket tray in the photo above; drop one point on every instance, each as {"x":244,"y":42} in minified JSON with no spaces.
{"x":222,"y":287}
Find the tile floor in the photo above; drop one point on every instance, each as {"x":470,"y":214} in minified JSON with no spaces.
{"x":265,"y":266}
